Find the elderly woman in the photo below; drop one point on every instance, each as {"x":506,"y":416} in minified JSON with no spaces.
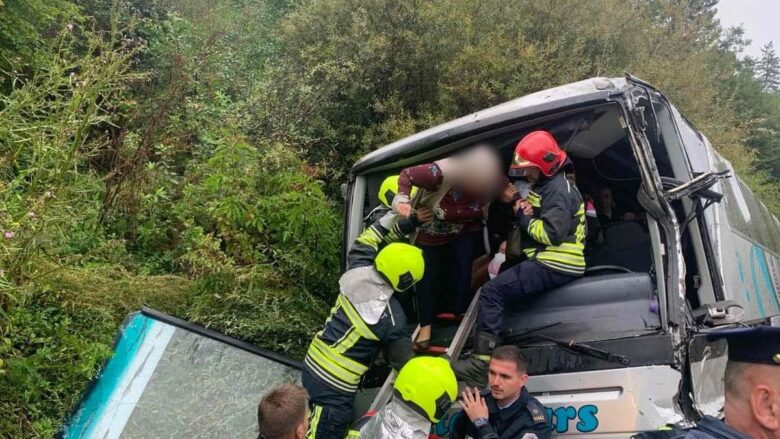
{"x":457,"y":189}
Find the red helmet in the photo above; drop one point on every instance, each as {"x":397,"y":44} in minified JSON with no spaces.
{"x":540,"y":150}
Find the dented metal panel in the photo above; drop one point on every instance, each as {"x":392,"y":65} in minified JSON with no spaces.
{"x":558,"y":98}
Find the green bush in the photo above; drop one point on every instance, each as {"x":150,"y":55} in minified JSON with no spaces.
{"x":251,"y":305}
{"x":256,"y":205}
{"x":186,"y":155}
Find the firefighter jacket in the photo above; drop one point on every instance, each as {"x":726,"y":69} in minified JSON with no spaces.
{"x":366,"y":318}
{"x":395,"y":421}
{"x":557,"y":227}
{"x":524,"y":419}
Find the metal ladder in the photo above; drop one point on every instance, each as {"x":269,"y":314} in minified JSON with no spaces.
{"x":453,"y":351}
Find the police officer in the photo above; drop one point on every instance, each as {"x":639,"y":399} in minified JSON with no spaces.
{"x":505,"y":410}
{"x":752,"y":389}
{"x":366,"y":319}
{"x":551,"y":222}
{"x":422,"y":393}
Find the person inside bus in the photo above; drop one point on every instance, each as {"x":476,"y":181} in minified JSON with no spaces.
{"x":457,"y":189}
{"x":609,"y":211}
{"x":552,"y":241}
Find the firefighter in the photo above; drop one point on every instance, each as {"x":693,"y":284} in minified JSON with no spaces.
{"x":752,"y":389}
{"x":366,"y":319}
{"x":385,"y":225}
{"x":422,"y":393}
{"x":552,"y":229}
{"x":387,"y":192}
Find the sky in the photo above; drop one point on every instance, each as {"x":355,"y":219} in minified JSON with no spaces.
{"x":758,"y":17}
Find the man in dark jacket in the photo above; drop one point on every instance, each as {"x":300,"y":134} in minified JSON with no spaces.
{"x":505,"y":410}
{"x":752,"y":389}
{"x":552,"y":224}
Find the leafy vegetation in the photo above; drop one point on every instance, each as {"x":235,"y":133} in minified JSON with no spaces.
{"x":186,"y":155}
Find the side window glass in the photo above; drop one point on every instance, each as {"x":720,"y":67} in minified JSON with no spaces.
{"x":746,"y":214}
{"x":668,"y":152}
{"x":694,"y":144}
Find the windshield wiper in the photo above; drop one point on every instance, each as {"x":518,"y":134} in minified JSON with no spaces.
{"x":581,"y":348}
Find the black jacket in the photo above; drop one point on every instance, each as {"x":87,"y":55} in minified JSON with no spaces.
{"x":526,"y":415}
{"x":557,"y":227}
{"x":707,"y":428}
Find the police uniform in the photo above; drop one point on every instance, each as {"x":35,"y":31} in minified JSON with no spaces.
{"x":366,"y":319}
{"x":526,"y":418}
{"x":759,"y":345}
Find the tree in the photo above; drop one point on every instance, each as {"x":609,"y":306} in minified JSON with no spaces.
{"x":768,"y":68}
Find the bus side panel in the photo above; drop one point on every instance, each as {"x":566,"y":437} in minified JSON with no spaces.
{"x":601,"y":404}
{"x":748,"y":241}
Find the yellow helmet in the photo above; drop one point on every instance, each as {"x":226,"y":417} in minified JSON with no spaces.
{"x":402,"y":265}
{"x":389,"y":188}
{"x":428,"y":385}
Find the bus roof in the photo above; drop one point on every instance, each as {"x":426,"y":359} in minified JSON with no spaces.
{"x":573,"y":94}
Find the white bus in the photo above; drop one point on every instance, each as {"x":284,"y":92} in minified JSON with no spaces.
{"x":702,"y":252}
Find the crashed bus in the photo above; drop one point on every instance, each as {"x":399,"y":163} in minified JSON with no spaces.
{"x":620,"y":350}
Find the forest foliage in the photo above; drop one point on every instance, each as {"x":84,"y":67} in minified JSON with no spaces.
{"x":186,"y":155}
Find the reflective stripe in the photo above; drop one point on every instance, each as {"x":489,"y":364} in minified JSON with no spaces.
{"x":323,"y":351}
{"x":370,"y":237}
{"x":314,"y":421}
{"x":537,"y":231}
{"x":564,"y":268}
{"x":353,"y":434}
{"x":563,"y":258}
{"x":534,"y":199}
{"x":327,"y":377}
{"x":566,"y":248}
{"x":355,"y":318}
{"x":347,"y":341}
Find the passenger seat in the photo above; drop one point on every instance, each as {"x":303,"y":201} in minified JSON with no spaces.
{"x":627,"y":245}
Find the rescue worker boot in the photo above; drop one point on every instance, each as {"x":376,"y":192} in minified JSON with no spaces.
{"x":474,"y":370}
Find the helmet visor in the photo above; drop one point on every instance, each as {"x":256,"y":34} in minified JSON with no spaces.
{"x":520,"y":169}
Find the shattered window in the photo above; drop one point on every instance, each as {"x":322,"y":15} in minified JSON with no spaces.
{"x":167,"y":381}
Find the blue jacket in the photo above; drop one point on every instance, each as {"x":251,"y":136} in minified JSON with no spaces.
{"x":707,"y":428}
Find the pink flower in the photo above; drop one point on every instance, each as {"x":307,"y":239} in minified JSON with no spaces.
{"x":9,"y":234}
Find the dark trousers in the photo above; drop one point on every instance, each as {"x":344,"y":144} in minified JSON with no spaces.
{"x":447,"y":268}
{"x":516,"y":283}
{"x":331,"y":410}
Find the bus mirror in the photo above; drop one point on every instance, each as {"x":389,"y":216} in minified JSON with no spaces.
{"x":698,"y":187}
{"x":343,"y":190}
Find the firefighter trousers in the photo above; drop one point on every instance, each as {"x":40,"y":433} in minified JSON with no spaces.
{"x":330,"y":410}
{"x":519,"y":282}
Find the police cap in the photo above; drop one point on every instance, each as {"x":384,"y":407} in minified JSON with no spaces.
{"x":751,"y":345}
